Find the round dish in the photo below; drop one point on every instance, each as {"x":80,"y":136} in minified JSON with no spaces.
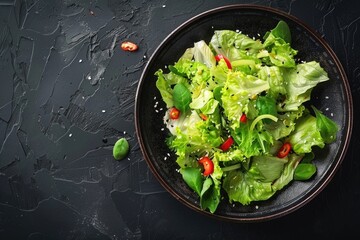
{"x":334,"y":95}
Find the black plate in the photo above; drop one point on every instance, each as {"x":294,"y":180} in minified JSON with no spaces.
{"x":332,"y":97}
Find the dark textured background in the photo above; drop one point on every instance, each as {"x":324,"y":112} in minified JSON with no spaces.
{"x":67,"y":94}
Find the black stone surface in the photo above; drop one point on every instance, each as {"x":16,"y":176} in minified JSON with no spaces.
{"x":67,"y":94}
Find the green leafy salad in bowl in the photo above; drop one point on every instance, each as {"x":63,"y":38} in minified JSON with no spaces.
{"x":237,"y":116}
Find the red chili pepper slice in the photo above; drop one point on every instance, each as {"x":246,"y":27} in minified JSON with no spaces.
{"x":208,"y":165}
{"x":227,"y":144}
{"x":243,"y":118}
{"x":174,"y":113}
{"x":129,"y":46}
{"x":284,"y":150}
{"x":220,"y":56}
{"x":203,"y":116}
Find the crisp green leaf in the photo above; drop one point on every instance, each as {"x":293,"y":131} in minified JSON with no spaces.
{"x":304,"y":171}
{"x":210,"y":194}
{"x":301,"y":81}
{"x":233,"y":45}
{"x":306,"y":135}
{"x":282,"y":31}
{"x":268,"y":168}
{"x":181,"y":97}
{"x":165,"y":89}
{"x":202,"y":99}
{"x":203,"y":54}
{"x":193,"y":178}
{"x":327,"y":127}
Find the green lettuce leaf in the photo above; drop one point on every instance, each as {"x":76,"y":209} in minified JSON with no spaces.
{"x":165,"y":89}
{"x":285,"y":125}
{"x":203,"y":98}
{"x":301,"y":81}
{"x":306,"y":135}
{"x":203,"y":54}
{"x":234,"y":45}
{"x":274,"y":76}
{"x":267,"y":168}
{"x":277,"y":42}
{"x":237,"y":92}
{"x":246,"y":187}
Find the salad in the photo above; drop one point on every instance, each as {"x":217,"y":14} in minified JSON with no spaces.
{"x":237,"y":117}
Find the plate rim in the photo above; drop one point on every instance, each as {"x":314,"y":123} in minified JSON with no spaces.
{"x":348,"y":118}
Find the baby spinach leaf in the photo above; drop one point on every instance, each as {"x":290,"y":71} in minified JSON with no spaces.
{"x":282,"y":31}
{"x":266,"y":105}
{"x":210,"y":195}
{"x":327,"y":127}
{"x":304,"y":171}
{"x":193,"y":178}
{"x":181,"y":97}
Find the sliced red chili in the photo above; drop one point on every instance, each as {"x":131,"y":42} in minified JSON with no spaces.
{"x":203,"y":116}
{"x":243,"y":118}
{"x":220,"y":56}
{"x":207,"y":164}
{"x":129,"y":46}
{"x":174,"y":113}
{"x":284,"y":150}
{"x":227,"y":144}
